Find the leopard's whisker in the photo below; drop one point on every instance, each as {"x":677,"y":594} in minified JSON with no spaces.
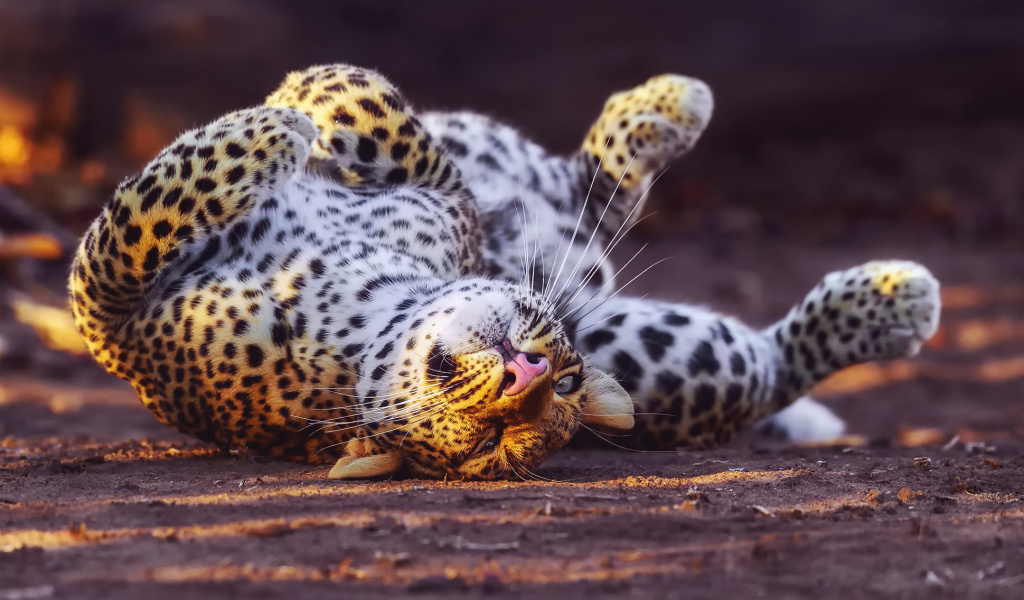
{"x":396,"y":408}
{"x":433,"y":408}
{"x":534,"y":476}
{"x":512,"y":467}
{"x":526,"y":478}
{"x":361,"y":420}
{"x":597,"y":226}
{"x":513,"y":456}
{"x":616,"y":292}
{"x":546,"y":288}
{"x":417,"y":412}
{"x":524,"y":229}
{"x":334,"y":427}
{"x":380,"y":433}
{"x":583,"y":210}
{"x":413,"y":404}
{"x":629,"y":414}
{"x":524,"y":258}
{"x":618,"y":237}
{"x":607,"y":441}
{"x":530,"y":274}
{"x":608,"y":318}
{"x":597,"y":293}
{"x":538,"y":248}
{"x":567,"y":305}
{"x":424,"y":418}
{"x":351,"y":391}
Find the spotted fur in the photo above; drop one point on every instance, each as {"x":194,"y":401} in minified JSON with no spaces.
{"x":329,"y":277}
{"x":332,"y":313}
{"x":696,"y":377}
{"x":638,"y":133}
{"x":368,"y":134}
{"x":699,"y":377}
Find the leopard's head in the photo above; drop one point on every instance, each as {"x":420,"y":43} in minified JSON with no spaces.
{"x":485,"y":385}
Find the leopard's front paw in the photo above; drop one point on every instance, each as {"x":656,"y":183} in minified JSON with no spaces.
{"x":888,"y":308}
{"x":643,"y":129}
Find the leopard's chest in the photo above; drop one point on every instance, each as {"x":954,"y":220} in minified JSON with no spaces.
{"x":399,"y":231}
{"x":276,"y":299}
{"x":302,"y":261}
{"x":431,"y":229}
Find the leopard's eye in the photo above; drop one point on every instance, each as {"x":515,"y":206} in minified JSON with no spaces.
{"x":489,"y":443}
{"x":568,"y":384}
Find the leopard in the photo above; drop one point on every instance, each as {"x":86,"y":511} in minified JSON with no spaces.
{"x":335,"y":277}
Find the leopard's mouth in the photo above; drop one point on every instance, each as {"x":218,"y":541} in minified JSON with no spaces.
{"x":505,"y":350}
{"x":506,"y":381}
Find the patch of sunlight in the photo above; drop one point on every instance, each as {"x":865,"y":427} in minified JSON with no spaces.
{"x":912,"y":437}
{"x":870,"y":500}
{"x":720,"y":478}
{"x":865,"y":377}
{"x":995,"y":516}
{"x":29,"y":245}
{"x":79,"y":535}
{"x":54,"y":326}
{"x":62,"y":398}
{"x":15,"y":155}
{"x":978,"y":334}
{"x":988,"y":498}
{"x":325,"y":489}
{"x":824,"y":506}
{"x":868,"y":376}
{"x":475,"y":570}
{"x":968,"y":296}
{"x":845,"y":440}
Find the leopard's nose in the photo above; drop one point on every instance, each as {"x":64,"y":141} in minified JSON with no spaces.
{"x":522,"y":370}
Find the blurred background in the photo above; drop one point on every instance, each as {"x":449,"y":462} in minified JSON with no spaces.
{"x":843,"y":131}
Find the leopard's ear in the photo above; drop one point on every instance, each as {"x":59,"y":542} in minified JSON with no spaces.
{"x":608,"y":405}
{"x":358,"y":463}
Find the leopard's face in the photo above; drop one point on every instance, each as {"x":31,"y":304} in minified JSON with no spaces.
{"x":487,"y":385}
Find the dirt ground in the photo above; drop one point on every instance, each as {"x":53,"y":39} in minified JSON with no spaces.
{"x":843,"y":132}
{"x":98,"y":500}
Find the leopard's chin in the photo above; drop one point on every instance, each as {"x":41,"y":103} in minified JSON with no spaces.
{"x":422,"y":471}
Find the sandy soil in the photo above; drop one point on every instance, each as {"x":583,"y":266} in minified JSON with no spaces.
{"x":98,"y":500}
{"x":886,"y":112}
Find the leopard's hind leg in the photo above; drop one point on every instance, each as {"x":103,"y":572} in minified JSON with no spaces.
{"x":200,"y":184}
{"x":697,"y":377}
{"x":369,"y":134}
{"x":369,"y":138}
